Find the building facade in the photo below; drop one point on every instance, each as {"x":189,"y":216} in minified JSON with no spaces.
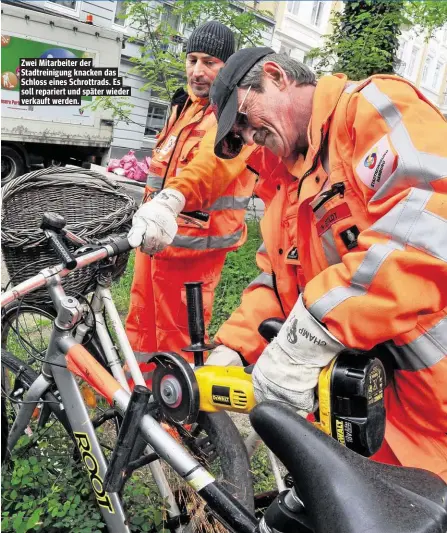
{"x":424,"y":63}
{"x":300,"y":25}
{"x":149,"y":113}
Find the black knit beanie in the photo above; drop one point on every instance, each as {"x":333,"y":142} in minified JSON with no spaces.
{"x":212,"y":38}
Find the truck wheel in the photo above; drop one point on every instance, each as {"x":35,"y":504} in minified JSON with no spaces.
{"x":12,"y":163}
{"x":55,"y":162}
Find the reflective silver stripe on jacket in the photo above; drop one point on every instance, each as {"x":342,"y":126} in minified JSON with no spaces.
{"x":154,"y":181}
{"x":415,"y":168}
{"x":424,"y":352}
{"x":230,"y":202}
{"x":262,"y":249}
{"x":206,"y":243}
{"x":409,"y":223}
{"x":406,"y":223}
{"x":263,"y":280}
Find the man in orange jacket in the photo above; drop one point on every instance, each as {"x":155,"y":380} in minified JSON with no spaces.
{"x":157,"y":318}
{"x":367,"y":262}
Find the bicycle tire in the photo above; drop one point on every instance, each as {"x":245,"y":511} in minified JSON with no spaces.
{"x":230,"y":447}
{"x":27,"y":377}
{"x":5,"y":430}
{"x":19,"y":318}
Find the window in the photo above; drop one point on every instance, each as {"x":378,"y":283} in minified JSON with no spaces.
{"x":412,"y":62}
{"x":436,"y":75}
{"x":64,"y":6}
{"x":120,"y":14}
{"x":285,"y":50}
{"x":317,"y":13}
{"x":426,"y":70}
{"x":293,"y":7}
{"x":171,"y":19}
{"x":156,"y":118}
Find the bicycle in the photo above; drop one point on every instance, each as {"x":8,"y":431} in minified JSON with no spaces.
{"x":409,"y":500}
{"x":212,"y":438}
{"x":26,"y":329}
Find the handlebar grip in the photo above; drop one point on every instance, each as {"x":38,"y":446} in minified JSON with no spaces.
{"x":196,"y":323}
{"x":61,"y":250}
{"x":120,"y":245}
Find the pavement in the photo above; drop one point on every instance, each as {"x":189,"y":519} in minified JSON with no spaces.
{"x":136,"y":190}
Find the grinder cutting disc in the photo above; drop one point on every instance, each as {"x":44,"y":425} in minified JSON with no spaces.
{"x":175,"y":388}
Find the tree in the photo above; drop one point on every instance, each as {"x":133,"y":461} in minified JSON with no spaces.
{"x":365,"y":35}
{"x":161,"y":58}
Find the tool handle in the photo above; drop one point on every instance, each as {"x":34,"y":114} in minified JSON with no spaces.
{"x":196,"y":323}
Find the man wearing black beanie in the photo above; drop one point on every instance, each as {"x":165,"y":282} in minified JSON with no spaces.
{"x":184,"y":161}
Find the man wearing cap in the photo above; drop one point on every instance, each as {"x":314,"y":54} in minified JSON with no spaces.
{"x":190,"y":177}
{"x":370,"y":163}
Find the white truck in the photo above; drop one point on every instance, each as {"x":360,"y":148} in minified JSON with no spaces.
{"x":51,"y":135}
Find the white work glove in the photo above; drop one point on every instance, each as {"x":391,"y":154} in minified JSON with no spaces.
{"x":288,"y":368}
{"x":154,"y":225}
{"x":224,"y":356}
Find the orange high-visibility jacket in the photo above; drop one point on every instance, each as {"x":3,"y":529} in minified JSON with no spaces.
{"x":157,"y":318}
{"x":225,"y":186}
{"x":371,"y":238}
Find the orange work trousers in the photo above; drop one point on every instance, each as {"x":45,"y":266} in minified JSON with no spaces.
{"x":157,"y":319}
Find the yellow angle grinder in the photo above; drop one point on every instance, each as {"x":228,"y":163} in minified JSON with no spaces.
{"x":350,"y":388}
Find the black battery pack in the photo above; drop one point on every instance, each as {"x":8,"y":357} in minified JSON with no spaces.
{"x":357,"y":402}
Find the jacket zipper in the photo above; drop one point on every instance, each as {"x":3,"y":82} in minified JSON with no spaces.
{"x":314,"y":162}
{"x":337,"y":188}
{"x":175,"y":145}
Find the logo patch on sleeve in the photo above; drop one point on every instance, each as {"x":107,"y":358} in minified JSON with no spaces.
{"x":377,"y":165}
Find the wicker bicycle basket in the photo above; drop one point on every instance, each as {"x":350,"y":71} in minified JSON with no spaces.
{"x":93,"y":206}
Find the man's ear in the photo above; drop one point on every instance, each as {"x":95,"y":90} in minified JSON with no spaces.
{"x":276,"y":74}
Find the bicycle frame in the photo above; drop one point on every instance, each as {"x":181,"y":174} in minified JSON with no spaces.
{"x":73,"y":359}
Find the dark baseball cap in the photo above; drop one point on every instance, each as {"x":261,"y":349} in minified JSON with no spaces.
{"x":223,"y":98}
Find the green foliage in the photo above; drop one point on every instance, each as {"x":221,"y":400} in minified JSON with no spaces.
{"x":263,"y":478}
{"x":429,"y":15}
{"x":364,"y":40}
{"x":47,"y":492}
{"x":365,"y":35}
{"x":161,"y":60}
{"x":239,"y":270}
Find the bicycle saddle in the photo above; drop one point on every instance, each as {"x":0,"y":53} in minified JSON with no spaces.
{"x":344,"y":492}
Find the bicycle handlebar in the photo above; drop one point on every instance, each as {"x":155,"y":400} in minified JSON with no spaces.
{"x":116,"y":246}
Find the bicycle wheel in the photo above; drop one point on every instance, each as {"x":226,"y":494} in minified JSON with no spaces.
{"x":216,"y":443}
{"x":16,"y":379}
{"x":26,"y":331}
{"x":5,"y":430}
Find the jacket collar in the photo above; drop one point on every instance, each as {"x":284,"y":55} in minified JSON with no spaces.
{"x":326,"y":97}
{"x":196,"y":99}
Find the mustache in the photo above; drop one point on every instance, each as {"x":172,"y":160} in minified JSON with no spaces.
{"x":260,"y":136}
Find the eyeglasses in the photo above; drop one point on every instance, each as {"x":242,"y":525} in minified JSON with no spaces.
{"x":233,"y":142}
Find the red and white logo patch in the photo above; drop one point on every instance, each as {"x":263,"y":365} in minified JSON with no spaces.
{"x":377,"y":165}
